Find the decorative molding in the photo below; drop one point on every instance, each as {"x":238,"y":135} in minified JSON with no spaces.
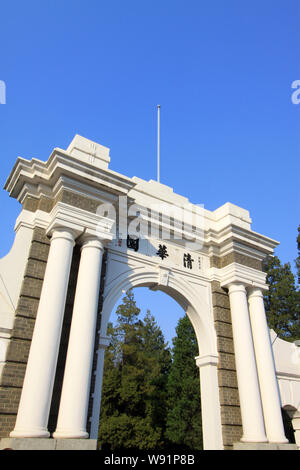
{"x":238,"y":273}
{"x":163,"y":276}
{"x":208,"y":359}
{"x":80,"y":221}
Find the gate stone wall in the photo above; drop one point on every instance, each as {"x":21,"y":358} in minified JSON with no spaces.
{"x":228,"y":389}
{"x":12,"y":376}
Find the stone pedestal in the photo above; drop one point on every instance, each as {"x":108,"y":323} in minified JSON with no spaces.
{"x":263,"y":446}
{"x":47,"y":444}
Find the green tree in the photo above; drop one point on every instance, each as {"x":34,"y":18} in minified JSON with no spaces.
{"x":156,"y":358}
{"x":135,"y":371}
{"x":282,"y":299}
{"x":184,"y":424}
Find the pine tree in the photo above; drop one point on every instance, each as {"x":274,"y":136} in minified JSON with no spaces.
{"x":282,"y":300}
{"x":184,"y":425}
{"x":156,"y":359}
{"x":136,"y":366}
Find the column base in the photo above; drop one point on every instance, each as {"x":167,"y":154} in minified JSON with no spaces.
{"x":263,"y":446}
{"x":10,"y":443}
{"x":38,"y":434}
{"x":249,"y":440}
{"x":70,"y":435}
{"x":278,"y":441}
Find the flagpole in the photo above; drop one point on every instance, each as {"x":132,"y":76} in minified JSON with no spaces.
{"x":158,"y":143}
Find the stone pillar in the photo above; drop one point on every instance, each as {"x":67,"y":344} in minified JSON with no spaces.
{"x":266,"y":368}
{"x":249,"y":393}
{"x":33,"y":413}
{"x":296,"y":427}
{"x":103,"y":344}
{"x":210,"y":402}
{"x":76,"y":384}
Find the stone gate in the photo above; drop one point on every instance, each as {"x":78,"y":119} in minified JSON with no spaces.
{"x":84,"y":236}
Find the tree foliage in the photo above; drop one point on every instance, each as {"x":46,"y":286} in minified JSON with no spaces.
{"x":184,"y":425}
{"x":282,"y":300}
{"x":134,"y":383}
{"x":150,"y":400}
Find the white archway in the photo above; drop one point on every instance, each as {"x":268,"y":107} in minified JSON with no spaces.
{"x":199,"y":313}
{"x":60,"y":200}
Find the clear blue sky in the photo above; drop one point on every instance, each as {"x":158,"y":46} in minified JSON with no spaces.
{"x":221,"y":70}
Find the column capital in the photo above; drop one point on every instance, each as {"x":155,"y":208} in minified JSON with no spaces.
{"x":236,"y":273}
{"x":64,"y":233}
{"x":236,"y":287}
{"x":255,"y":292}
{"x":80,"y":222}
{"x":91,"y":241}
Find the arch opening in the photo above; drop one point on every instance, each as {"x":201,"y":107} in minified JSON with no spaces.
{"x":194,"y":301}
{"x":195,"y":306}
{"x":177,"y":387}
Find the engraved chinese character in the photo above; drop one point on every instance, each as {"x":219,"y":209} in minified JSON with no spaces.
{"x":187,"y":261}
{"x":162,"y":251}
{"x":133,"y":243}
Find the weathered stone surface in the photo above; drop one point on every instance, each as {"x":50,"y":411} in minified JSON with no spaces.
{"x":225,"y":345}
{"x":231,"y":415}
{"x":45,"y":204}
{"x":13,"y":375}
{"x":21,"y":335}
{"x":229,"y":396}
{"x":78,"y":200}
{"x":23,"y":328}
{"x":33,"y":204}
{"x":233,"y":257}
{"x":39,"y":251}
{"x":27,"y":306}
{"x":30,"y":204}
{"x":231,"y":433}
{"x":35,"y":269}
{"x":226,"y":361}
{"x":222,"y":314}
{"x":227,"y":378}
{"x":18,"y":351}
{"x":223,"y":329}
{"x":9,"y":400}
{"x":220,"y":300}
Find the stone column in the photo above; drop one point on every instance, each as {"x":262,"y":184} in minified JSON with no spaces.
{"x":266,"y":368}
{"x":76,"y":384}
{"x":210,"y":402}
{"x":33,"y":413}
{"x":250,"y":401}
{"x":296,"y":427}
{"x":103,"y":344}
